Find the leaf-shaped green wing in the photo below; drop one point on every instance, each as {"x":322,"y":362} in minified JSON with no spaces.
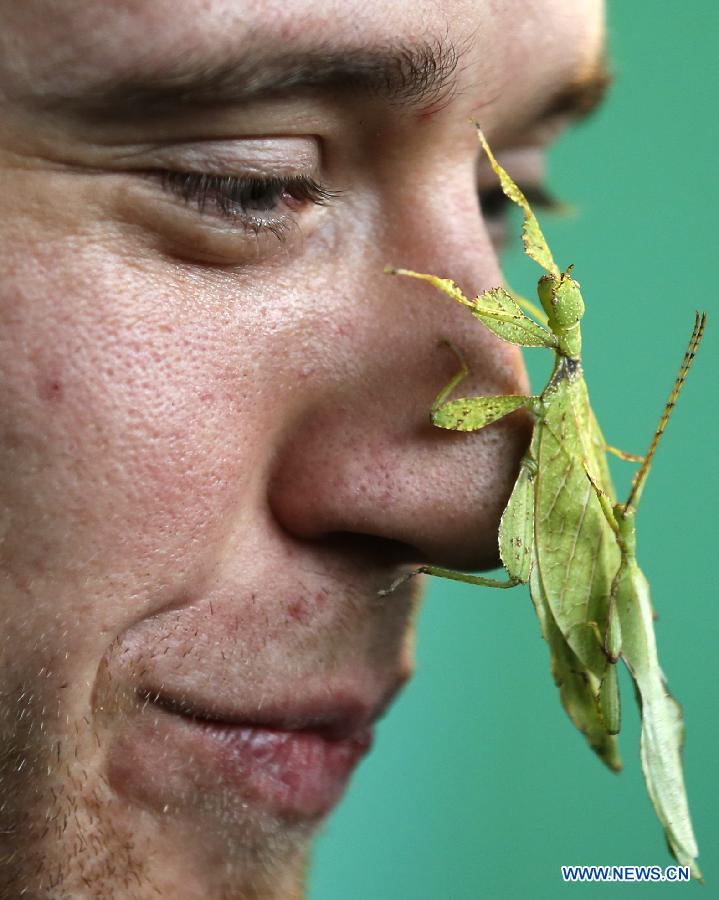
{"x":578,"y":687}
{"x":535,"y":244}
{"x":662,"y":726}
{"x":577,"y":553}
{"x":595,"y":446}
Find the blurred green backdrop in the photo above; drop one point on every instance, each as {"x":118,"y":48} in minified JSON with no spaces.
{"x":478,"y":785}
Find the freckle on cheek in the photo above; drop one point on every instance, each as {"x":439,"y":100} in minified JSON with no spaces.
{"x":50,"y":389}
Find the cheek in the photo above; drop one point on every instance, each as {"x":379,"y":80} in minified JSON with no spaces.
{"x":127,"y":433}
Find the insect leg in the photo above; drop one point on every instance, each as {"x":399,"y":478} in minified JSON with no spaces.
{"x":609,"y":700}
{"x":453,"y":575}
{"x":455,"y":380}
{"x":641,"y":476}
{"x":622,"y":454}
{"x":471,"y":413}
{"x":446,"y":285}
{"x":604,"y":501}
{"x":535,"y":244}
{"x":516,"y":528}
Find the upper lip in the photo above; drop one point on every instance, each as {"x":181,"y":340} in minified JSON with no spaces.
{"x":334,"y":716}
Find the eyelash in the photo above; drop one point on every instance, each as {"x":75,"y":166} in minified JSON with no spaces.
{"x":239,"y":197}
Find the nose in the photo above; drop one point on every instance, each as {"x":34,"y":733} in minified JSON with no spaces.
{"x":361,"y":457}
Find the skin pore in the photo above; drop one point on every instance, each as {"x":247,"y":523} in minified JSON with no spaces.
{"x":214,"y":437}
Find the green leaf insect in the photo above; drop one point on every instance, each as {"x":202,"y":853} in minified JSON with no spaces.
{"x":564,"y":533}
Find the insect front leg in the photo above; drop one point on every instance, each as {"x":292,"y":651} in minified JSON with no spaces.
{"x":456,"y":379}
{"x":472,"y":413}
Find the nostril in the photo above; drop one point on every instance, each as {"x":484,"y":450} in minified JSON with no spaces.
{"x":372,"y":549}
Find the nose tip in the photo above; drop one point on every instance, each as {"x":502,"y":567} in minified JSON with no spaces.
{"x":382,"y":470}
{"x":461,"y":531}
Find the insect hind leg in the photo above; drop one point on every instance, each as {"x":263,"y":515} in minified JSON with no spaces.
{"x":452,"y":575}
{"x":623,"y":454}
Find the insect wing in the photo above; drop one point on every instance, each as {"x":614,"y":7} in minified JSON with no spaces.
{"x":577,"y":554}
{"x":593,"y":444}
{"x":578,"y":687}
{"x":662,"y":725}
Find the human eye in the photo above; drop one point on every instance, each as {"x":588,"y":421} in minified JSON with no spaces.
{"x":229,"y":202}
{"x":252,"y":204}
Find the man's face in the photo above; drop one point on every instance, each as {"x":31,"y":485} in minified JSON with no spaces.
{"x":214,"y":437}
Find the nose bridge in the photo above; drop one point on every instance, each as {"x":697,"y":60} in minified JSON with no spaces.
{"x":446,"y":236}
{"x":440,"y":229}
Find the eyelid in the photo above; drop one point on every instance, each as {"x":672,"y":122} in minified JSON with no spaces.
{"x":281,"y":155}
{"x":166,"y":226}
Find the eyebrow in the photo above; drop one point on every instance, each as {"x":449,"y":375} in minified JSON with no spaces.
{"x":411,"y":76}
{"x":415,"y":76}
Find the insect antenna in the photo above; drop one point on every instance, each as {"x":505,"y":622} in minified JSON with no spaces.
{"x":640,"y":477}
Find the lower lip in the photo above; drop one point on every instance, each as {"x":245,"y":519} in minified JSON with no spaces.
{"x":294,"y":774}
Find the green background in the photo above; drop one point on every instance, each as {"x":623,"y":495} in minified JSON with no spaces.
{"x":478,"y":785}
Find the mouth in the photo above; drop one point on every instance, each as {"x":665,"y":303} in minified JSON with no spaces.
{"x":292,"y":760}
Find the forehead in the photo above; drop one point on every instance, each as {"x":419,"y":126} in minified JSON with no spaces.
{"x":506,"y":48}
